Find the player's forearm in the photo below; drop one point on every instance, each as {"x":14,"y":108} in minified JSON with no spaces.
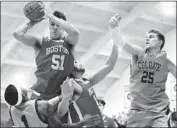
{"x":54,"y":100}
{"x":113,"y":57}
{"x":63,"y":106}
{"x":24,"y":28}
{"x":106,"y":68}
{"x":116,"y":37}
{"x":119,"y":42}
{"x":65,"y":25}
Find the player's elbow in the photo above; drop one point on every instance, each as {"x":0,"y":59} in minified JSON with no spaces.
{"x":76,"y":34}
{"x":17,"y":35}
{"x":74,"y":37}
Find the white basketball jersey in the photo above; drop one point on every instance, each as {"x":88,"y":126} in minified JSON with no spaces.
{"x":26,"y":115}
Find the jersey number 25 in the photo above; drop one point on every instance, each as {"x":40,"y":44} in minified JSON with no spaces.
{"x":148,"y":77}
{"x":58,"y":62}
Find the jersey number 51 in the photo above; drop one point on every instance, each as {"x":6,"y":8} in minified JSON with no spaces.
{"x":58,"y":62}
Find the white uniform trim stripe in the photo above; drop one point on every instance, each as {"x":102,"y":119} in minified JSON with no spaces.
{"x":96,"y":100}
{"x":78,"y":110}
{"x":69,"y":118}
{"x":20,"y":98}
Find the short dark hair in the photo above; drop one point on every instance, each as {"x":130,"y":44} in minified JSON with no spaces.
{"x":59,"y":15}
{"x":160,"y":37}
{"x":102,"y":102}
{"x":11,"y":95}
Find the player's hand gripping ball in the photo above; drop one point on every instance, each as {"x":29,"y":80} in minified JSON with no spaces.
{"x":34,"y":10}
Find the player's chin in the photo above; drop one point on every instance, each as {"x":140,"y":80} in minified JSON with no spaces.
{"x":147,"y":46}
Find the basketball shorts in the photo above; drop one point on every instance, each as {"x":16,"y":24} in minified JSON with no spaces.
{"x":138,"y":118}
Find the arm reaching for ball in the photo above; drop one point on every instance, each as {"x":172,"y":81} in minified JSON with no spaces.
{"x":20,"y":33}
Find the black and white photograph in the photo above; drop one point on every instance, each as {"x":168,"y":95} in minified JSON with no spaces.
{"x":88,"y":64}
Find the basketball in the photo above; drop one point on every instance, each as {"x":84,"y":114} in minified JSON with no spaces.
{"x":32,"y":10}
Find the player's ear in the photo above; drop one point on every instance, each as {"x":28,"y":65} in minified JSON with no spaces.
{"x":160,"y":42}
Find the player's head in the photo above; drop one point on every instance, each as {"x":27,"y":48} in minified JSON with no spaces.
{"x":14,"y":95}
{"x":55,"y":30}
{"x":154,"y":39}
{"x":78,"y":70}
{"x":101,"y":104}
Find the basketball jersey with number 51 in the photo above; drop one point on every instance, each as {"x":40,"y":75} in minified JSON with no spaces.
{"x":148,"y":78}
{"x":54,"y":62}
{"x":26,"y":115}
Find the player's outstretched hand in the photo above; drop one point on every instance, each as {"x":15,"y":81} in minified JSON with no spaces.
{"x":114,"y":21}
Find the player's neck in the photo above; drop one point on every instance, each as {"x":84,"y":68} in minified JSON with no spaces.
{"x":59,"y":38}
{"x":153,"y":51}
{"x":78,"y":76}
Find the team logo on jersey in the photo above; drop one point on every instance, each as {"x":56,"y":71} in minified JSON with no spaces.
{"x":57,"y":48}
{"x":145,"y":65}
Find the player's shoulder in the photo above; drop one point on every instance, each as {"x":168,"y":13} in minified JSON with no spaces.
{"x":163,"y":52}
{"x":41,"y":107}
{"x":45,"y":39}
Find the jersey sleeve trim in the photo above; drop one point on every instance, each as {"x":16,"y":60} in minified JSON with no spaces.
{"x":38,"y":114}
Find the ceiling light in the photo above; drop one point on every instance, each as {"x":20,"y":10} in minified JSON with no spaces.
{"x":169,"y":8}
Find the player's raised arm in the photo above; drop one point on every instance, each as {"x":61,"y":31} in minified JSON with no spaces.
{"x":106,"y":68}
{"x":117,"y":38}
{"x":27,"y":39}
{"x":72,"y":32}
{"x":21,"y":32}
{"x":172,"y":67}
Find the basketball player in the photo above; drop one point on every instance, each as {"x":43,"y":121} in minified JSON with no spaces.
{"x":54,"y":57}
{"x":40,"y":113}
{"x":149,"y":71}
{"x":84,"y":100}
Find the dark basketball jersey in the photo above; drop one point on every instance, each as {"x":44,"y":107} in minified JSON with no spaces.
{"x":26,"y":115}
{"x":86,"y":104}
{"x":54,"y":62}
{"x":148,"y":78}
